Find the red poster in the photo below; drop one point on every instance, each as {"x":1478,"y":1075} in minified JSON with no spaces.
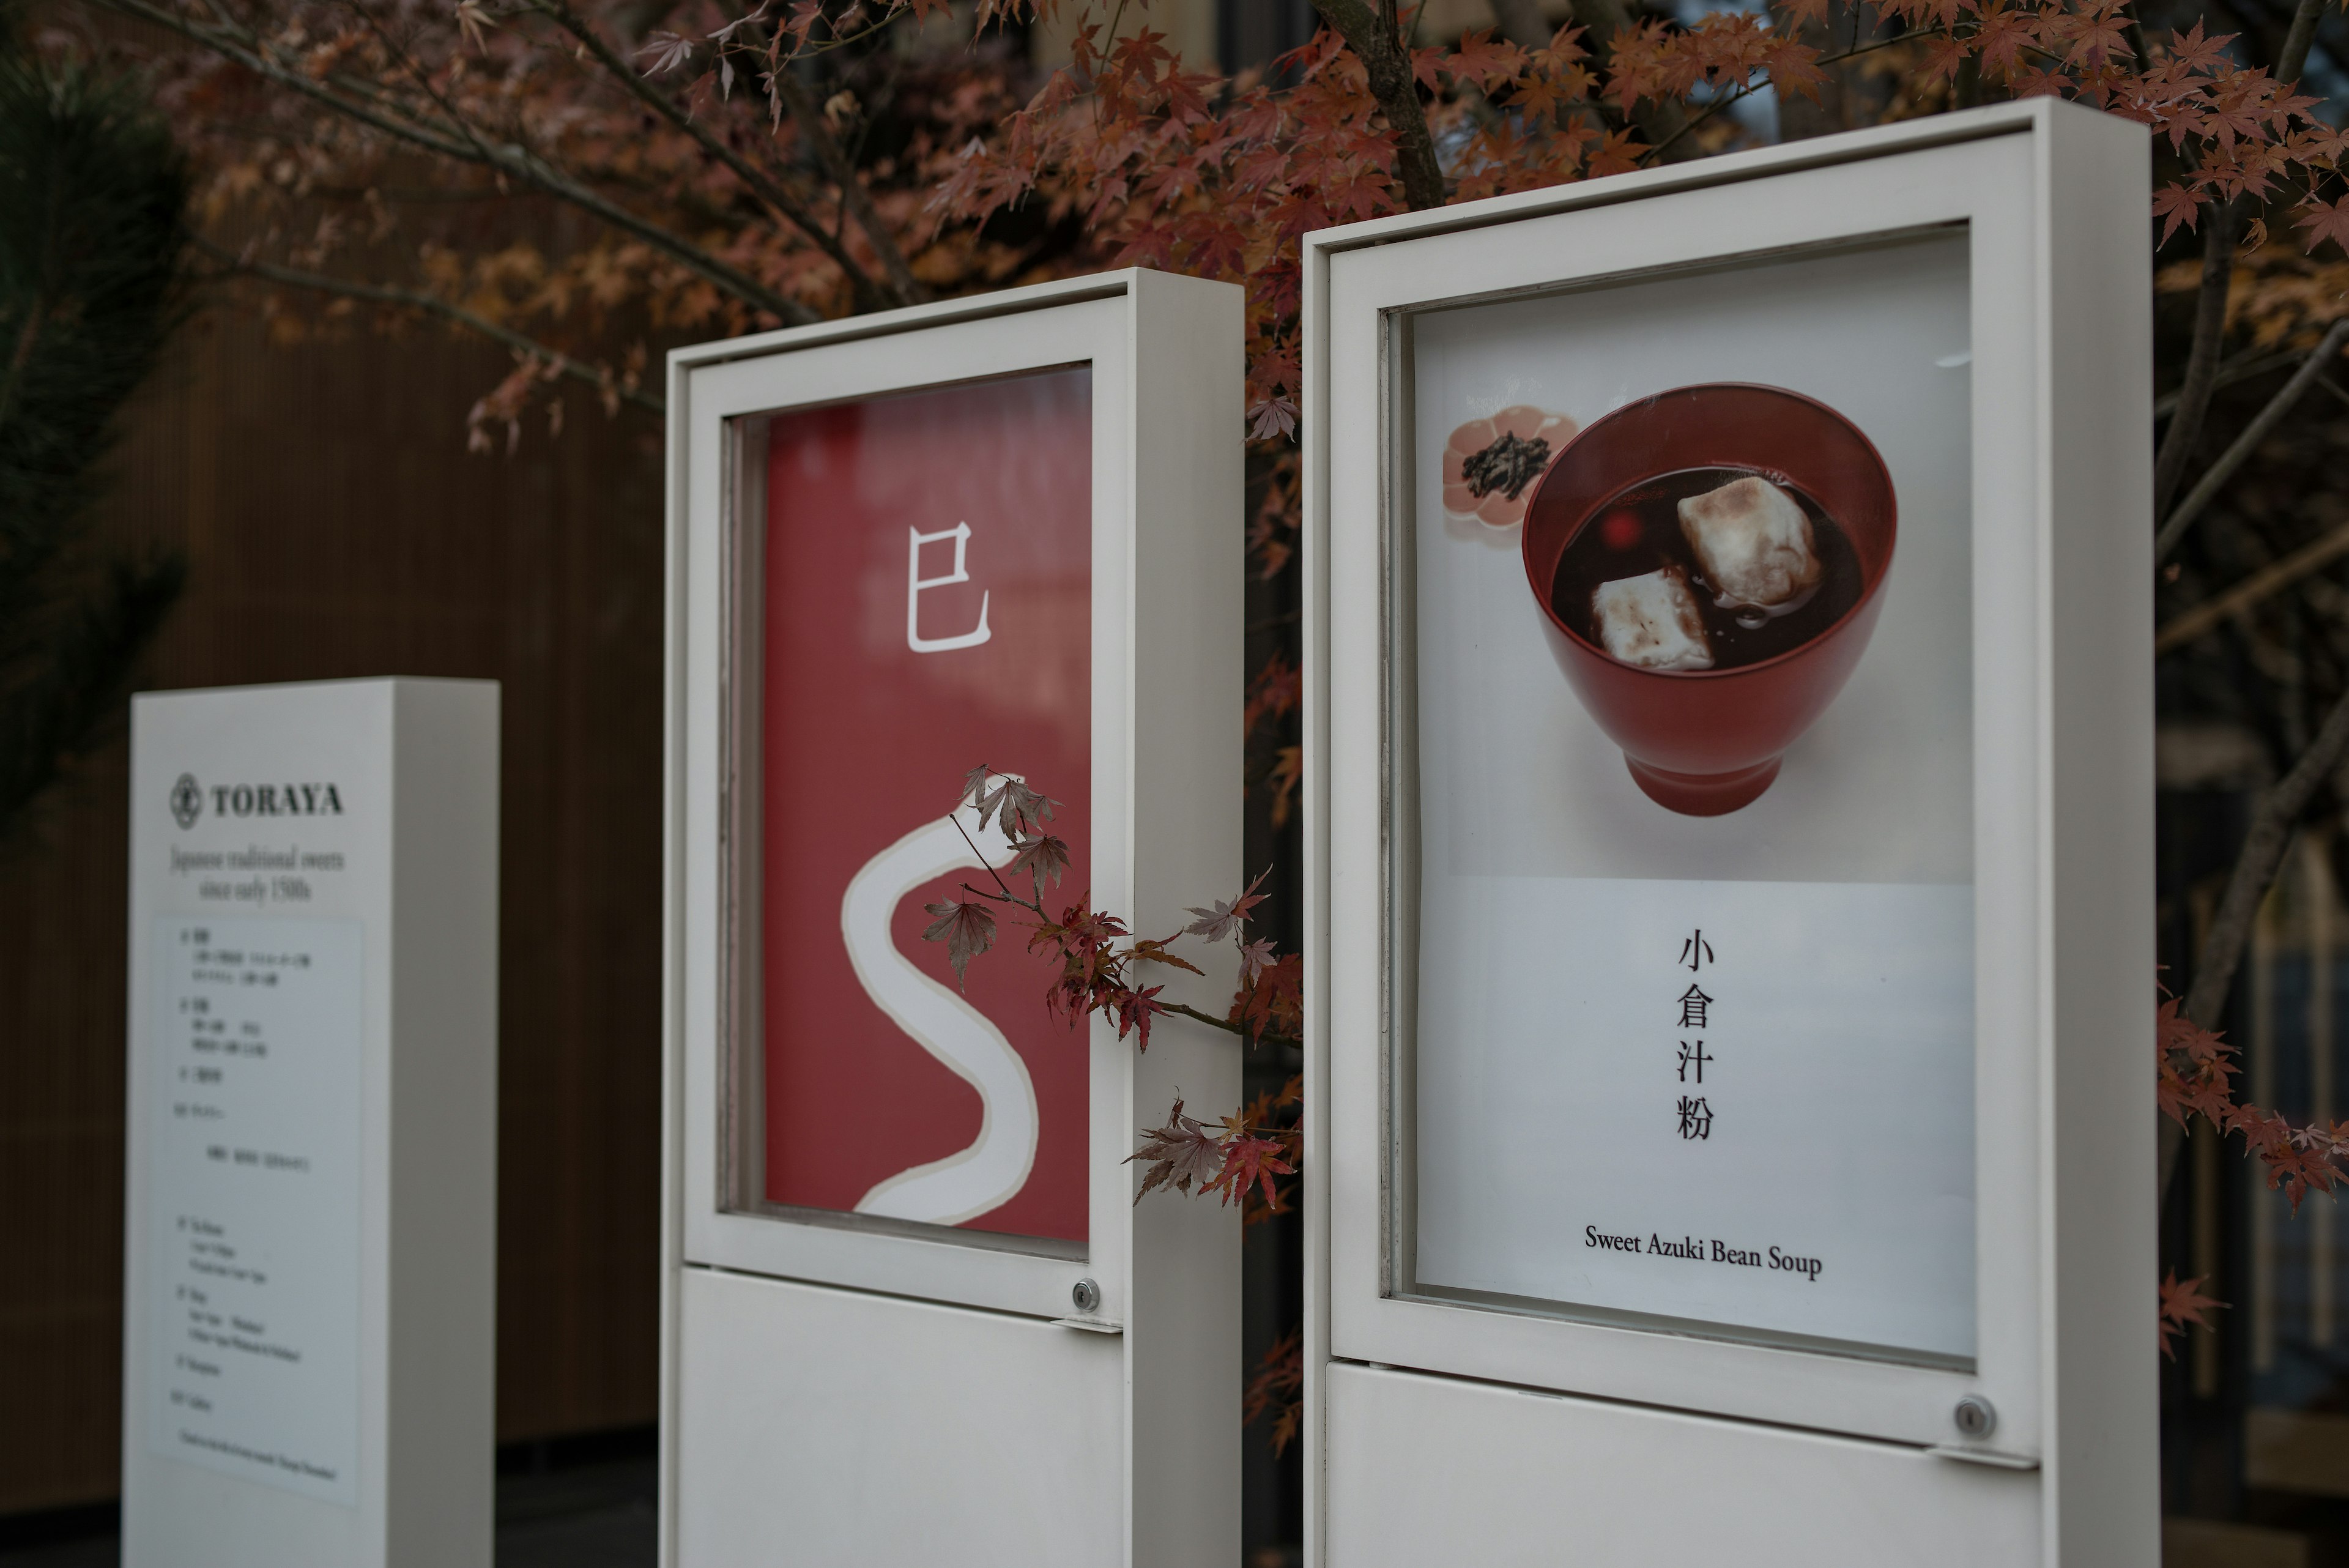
{"x":928,"y":608}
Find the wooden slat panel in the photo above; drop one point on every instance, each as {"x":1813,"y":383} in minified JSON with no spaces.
{"x":336,"y":526}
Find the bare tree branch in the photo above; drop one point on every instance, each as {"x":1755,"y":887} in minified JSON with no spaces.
{"x":504,"y":157}
{"x":853,"y":193}
{"x":754,"y":179}
{"x":2297,"y":41}
{"x":2202,"y":358}
{"x":2255,"y":868}
{"x":2242,"y":368}
{"x":2235,"y":456}
{"x":410,"y":300}
{"x":2255,"y":871}
{"x":2269,"y":580}
{"x":1387,"y":66}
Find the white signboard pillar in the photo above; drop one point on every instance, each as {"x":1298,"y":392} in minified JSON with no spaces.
{"x":914,"y":1313}
{"x":310,"y":1246}
{"x":1729,"y":1074}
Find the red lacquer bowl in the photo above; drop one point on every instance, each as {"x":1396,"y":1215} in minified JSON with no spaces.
{"x":1706,"y":741}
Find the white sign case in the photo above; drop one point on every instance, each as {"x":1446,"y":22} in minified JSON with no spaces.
{"x":911,"y":1310}
{"x":1730,"y":743}
{"x":309,"y":1304}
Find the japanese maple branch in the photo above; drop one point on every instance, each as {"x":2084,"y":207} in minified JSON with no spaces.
{"x":1386,"y":65}
{"x":853,"y":193}
{"x":2201,"y":379}
{"x":1008,"y":897}
{"x":2207,"y":488}
{"x":1661,"y":121}
{"x":505,"y":158}
{"x":379,"y":294}
{"x":1747,"y":90}
{"x":1036,"y":907}
{"x":754,"y":179}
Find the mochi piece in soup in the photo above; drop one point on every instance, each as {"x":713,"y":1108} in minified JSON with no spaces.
{"x":1651,"y":621}
{"x":1754,"y":544}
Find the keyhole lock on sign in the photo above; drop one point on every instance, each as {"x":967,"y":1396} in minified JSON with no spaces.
{"x":1974,"y":1416}
{"x":1086,"y":1295}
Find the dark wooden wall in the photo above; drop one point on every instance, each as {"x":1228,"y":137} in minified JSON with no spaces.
{"x":334,"y":525}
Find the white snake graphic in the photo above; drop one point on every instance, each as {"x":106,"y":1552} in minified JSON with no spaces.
{"x":969,"y":1183}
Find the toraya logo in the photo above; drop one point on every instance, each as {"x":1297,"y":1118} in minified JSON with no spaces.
{"x":276,"y":800}
{"x":186,"y":800}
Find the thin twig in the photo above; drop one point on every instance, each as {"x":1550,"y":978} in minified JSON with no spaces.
{"x":754,"y":179}
{"x":1759,"y":82}
{"x":2242,"y":368}
{"x":410,"y":300}
{"x":2235,"y":456}
{"x":1009,"y":897}
{"x":2202,"y":356}
{"x":2269,"y":580}
{"x":853,"y":197}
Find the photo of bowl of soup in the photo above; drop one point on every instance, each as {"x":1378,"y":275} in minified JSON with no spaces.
{"x":1709,"y":564}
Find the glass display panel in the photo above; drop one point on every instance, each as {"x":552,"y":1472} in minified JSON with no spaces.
{"x":924,"y":607}
{"x":1684,"y":910}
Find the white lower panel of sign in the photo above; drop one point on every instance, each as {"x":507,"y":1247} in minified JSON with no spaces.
{"x":254,"y":1192}
{"x":1741,"y":1104}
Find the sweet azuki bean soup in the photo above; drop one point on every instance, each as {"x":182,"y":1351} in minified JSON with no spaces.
{"x":1706,"y":568}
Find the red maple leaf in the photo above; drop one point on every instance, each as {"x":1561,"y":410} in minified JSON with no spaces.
{"x":1488,"y":62}
{"x":1791,"y":68}
{"x":1135,"y":1010}
{"x":1229,"y":914}
{"x":967,"y":929}
{"x":1272,"y":998}
{"x":1278,"y":1379}
{"x":1181,"y":1153}
{"x":2001,"y":36}
{"x":1044,"y":856}
{"x":2326,"y":223}
{"x":2178,"y":208}
{"x":1250,"y":1161}
{"x":2098,"y":34}
{"x":1287,"y":773}
{"x":1273,"y":695}
{"x":1619,"y":154}
{"x":1272,"y":419}
{"x":2183,"y":1306}
{"x":1944,"y":56}
{"x":2190,"y":51}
